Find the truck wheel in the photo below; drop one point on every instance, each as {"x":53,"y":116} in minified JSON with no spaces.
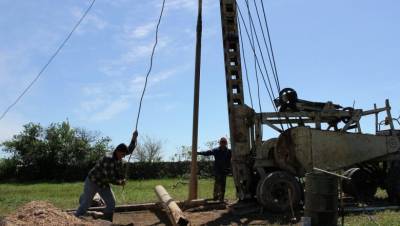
{"x":258,"y":191}
{"x":362,"y":185}
{"x":273,"y":192}
{"x":393,"y":183}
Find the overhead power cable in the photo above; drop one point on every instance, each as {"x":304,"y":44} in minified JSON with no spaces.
{"x":270,"y":43}
{"x":151,"y":65}
{"x":49,"y":61}
{"x":149,"y":70}
{"x":145,"y":83}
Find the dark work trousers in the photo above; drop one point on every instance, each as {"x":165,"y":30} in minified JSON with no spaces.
{"x":219,"y":187}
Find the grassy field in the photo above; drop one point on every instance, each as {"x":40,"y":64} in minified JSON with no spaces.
{"x":65,"y":196}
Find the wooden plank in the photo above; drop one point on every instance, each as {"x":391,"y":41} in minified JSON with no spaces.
{"x":148,"y":206}
{"x":124,"y":208}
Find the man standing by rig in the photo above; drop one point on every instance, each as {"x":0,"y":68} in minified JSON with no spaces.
{"x":222,"y":167}
{"x":109,"y":169}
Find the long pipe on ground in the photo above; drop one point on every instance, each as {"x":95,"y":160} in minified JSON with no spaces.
{"x":175,"y":214}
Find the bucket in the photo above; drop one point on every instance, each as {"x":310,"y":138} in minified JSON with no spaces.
{"x":321,"y":199}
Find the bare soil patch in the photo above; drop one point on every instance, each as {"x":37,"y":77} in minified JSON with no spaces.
{"x":45,"y":213}
{"x":203,"y":215}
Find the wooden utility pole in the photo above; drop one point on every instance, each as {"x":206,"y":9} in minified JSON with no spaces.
{"x":193,"y":166}
{"x":174,"y":213}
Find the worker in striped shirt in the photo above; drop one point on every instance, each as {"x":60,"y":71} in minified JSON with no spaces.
{"x":108,"y":170}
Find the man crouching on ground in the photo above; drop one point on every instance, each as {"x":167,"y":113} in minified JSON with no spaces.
{"x":110,"y":169}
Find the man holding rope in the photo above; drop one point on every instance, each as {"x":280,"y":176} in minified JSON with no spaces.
{"x":110,"y":169}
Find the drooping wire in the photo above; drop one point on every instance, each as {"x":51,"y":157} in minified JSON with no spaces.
{"x":245,"y":66}
{"x":145,"y":83}
{"x":271,"y":62}
{"x":270,"y":43}
{"x":151,"y":65}
{"x":49,"y":61}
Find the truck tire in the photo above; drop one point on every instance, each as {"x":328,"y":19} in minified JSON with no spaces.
{"x":362,"y":185}
{"x":273,"y":192}
{"x":393,"y":183}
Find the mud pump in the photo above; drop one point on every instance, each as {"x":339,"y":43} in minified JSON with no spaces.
{"x":320,"y":135}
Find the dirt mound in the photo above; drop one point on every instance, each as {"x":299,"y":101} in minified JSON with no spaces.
{"x":44,"y":213}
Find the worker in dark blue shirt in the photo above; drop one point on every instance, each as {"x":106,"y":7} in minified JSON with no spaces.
{"x":222,"y":167}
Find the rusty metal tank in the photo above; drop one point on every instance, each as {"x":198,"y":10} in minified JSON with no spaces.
{"x":300,"y":149}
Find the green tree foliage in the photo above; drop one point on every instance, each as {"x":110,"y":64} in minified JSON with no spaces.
{"x":48,"y":153}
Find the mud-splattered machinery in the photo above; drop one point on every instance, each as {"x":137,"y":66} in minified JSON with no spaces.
{"x":313,"y":135}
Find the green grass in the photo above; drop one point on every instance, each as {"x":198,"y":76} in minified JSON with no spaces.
{"x":386,"y":218}
{"x":391,"y":218}
{"x":66,"y":195}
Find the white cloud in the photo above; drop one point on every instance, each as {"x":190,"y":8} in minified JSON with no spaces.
{"x":161,"y":76}
{"x":142,"y":31}
{"x":95,"y":20}
{"x":3,"y":67}
{"x":117,"y":3}
{"x":190,"y":5}
{"x":134,"y":51}
{"x":105,"y":101}
{"x":91,"y":21}
{"x":113,"y":108}
{"x":93,"y":104}
{"x":170,"y":107}
{"x":16,"y":72}
{"x":182,"y":4}
{"x":137,"y":83}
{"x":10,"y":125}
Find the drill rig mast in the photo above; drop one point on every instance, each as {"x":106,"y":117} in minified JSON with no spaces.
{"x":239,"y":113}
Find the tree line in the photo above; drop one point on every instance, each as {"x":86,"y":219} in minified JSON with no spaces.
{"x":62,"y":152}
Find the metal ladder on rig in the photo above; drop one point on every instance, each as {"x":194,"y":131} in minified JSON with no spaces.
{"x":240,"y":141}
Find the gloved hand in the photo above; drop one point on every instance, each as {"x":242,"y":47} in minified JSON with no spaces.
{"x":133,"y":143}
{"x":121,"y":182}
{"x":135,"y":134}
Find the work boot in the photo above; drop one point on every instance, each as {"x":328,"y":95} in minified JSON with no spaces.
{"x":108,"y":217}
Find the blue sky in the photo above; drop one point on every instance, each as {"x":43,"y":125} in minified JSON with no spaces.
{"x":342,"y":51}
